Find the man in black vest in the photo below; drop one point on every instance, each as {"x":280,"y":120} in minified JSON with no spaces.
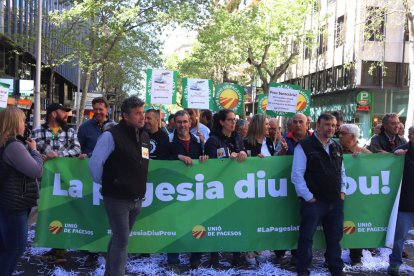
{"x":319,"y":177}
{"x":120,"y":162}
{"x":405,"y":217}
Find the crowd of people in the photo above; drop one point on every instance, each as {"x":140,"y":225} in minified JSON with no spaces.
{"x":119,"y":154}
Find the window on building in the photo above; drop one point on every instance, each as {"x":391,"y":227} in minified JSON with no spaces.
{"x":314,"y":82}
{"x":349,"y":75}
{"x":390,"y":74}
{"x":340,"y":31}
{"x":374,"y":24}
{"x":307,"y":47}
{"x":322,"y":81}
{"x":323,"y":40}
{"x":371,"y":74}
{"x":339,"y":78}
{"x":404,"y":74}
{"x":329,"y":79}
{"x":306,"y":82}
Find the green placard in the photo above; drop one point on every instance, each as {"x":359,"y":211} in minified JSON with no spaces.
{"x":262,"y":103}
{"x":161,"y":86}
{"x":207,"y":207}
{"x":302,"y":104}
{"x":231,"y":96}
{"x":197,"y":93}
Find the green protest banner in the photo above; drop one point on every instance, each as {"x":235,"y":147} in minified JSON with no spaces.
{"x":197,"y":93}
{"x":161,"y":86}
{"x":231,"y":96}
{"x":207,"y":207}
{"x":262,"y":103}
{"x":287,"y":100}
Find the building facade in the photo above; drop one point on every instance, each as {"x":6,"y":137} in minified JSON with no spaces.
{"x":360,"y":46}
{"x":18,"y":20}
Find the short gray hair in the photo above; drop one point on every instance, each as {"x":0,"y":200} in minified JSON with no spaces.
{"x":352,"y":129}
{"x":273,"y":119}
{"x":241,"y":123}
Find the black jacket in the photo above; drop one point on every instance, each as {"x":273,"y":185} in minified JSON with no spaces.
{"x":17,"y":191}
{"x":125,"y":171}
{"x":381,"y":142}
{"x":159,"y":145}
{"x":255,"y":150}
{"x":226,"y":145}
{"x":407,"y":186}
{"x":323,"y":171}
{"x":177,"y":147}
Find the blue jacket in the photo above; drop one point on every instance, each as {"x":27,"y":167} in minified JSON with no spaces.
{"x":88,"y":135}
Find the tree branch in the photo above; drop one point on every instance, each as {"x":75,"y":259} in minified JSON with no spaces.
{"x":279,"y":70}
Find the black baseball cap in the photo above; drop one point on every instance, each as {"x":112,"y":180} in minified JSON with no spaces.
{"x":55,"y":106}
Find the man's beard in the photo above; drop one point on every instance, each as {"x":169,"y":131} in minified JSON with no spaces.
{"x":61,"y":121}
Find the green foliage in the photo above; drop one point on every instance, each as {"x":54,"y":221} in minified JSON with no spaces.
{"x":375,"y":23}
{"x":121,"y":36}
{"x":263,"y":36}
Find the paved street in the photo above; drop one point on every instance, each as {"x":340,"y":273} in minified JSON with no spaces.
{"x":156,"y":264}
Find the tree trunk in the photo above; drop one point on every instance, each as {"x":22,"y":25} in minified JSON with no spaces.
{"x":51,"y":86}
{"x":84,"y":93}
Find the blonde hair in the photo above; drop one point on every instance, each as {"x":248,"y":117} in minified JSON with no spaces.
{"x":10,"y":123}
{"x":256,"y":129}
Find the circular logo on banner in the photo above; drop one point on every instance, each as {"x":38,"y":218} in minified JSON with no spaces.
{"x":199,"y":231}
{"x":229,"y":98}
{"x":301,"y":105}
{"x":264,"y":104}
{"x":55,"y":227}
{"x":349,"y":227}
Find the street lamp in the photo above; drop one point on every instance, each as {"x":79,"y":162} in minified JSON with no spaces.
{"x":36,"y":113}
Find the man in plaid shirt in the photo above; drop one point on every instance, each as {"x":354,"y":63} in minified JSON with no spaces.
{"x":54,"y":138}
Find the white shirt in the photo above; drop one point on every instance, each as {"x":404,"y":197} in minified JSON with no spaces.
{"x":299,"y":168}
{"x":264,"y":150}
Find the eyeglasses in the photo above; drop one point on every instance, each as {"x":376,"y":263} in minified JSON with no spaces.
{"x":231,"y":119}
{"x":274,"y":128}
{"x":344,"y":133}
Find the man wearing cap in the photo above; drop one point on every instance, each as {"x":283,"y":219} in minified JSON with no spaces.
{"x":90,"y":130}
{"x":56,"y":139}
